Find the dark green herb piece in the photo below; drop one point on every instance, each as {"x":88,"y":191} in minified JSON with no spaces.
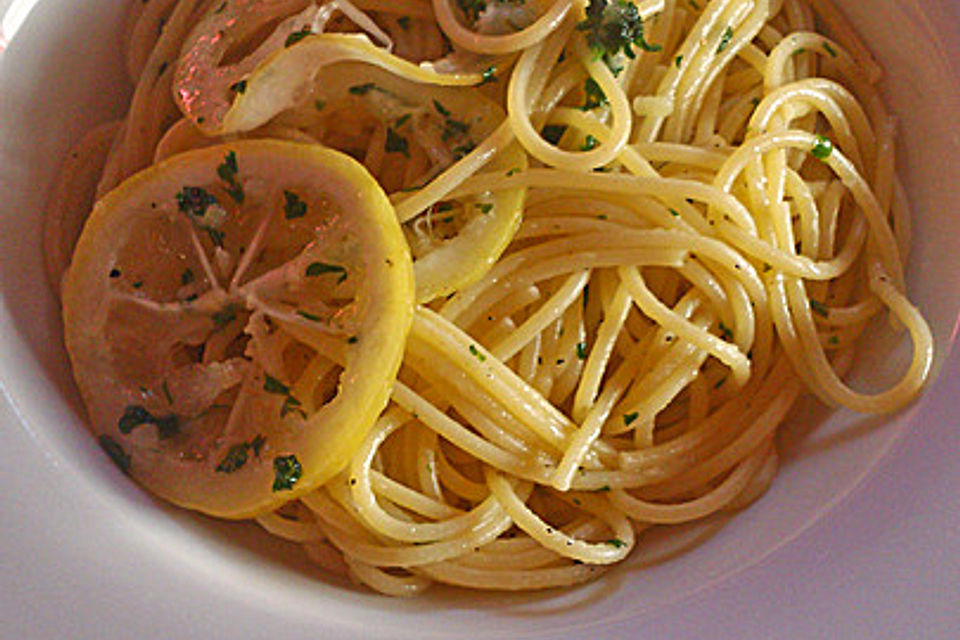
{"x":476,"y":353}
{"x":396,"y":143}
{"x":315,"y":269}
{"x":616,"y":542}
{"x":822,"y":148}
{"x":292,"y":405}
{"x":460,"y":151}
{"x":309,"y":316}
{"x":678,"y":61}
{"x":116,"y":453}
{"x":228,"y":170}
{"x":135,"y":416}
{"x":453,"y":128}
{"x":194,"y":201}
{"x":187,"y":277}
{"x":287,"y":472}
{"x":629,"y":418}
{"x":293,"y":206}
{"x":472,"y":8}
{"x":319,"y":104}
{"x":485,"y":207}
{"x":240,"y":86}
{"x":594,"y":95}
{"x":589,"y":143}
{"x":489,"y":75}
{"x":442,"y":110}
{"x":362,"y":89}
{"x":829,"y":49}
{"x":819,"y":308}
{"x":514,"y":171}
{"x":297,"y":36}
{"x":404,"y":22}
{"x":553,"y":132}
{"x":726,"y":332}
{"x":582,"y":350}
{"x":720,"y":382}
{"x":725,"y":38}
{"x":216,"y":236}
{"x":613,"y":26}
{"x":272,"y":385}
{"x":224,"y":317}
{"x":402,"y":120}
{"x":235,"y":459}
{"x":833,"y":340}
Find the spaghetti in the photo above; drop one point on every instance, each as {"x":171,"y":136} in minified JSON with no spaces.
{"x":641,"y":231}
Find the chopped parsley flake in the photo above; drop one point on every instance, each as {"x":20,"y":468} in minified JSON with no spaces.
{"x":297,"y":36}
{"x":726,"y":332}
{"x":235,"y":459}
{"x":616,"y":542}
{"x":829,"y":49}
{"x":489,"y":75}
{"x":678,"y":61}
{"x":589,"y":143}
{"x":224,"y":317}
{"x":594,"y":95}
{"x":287,"y":472}
{"x":822,"y":148}
{"x":315,"y":269}
{"x":613,"y":26}
{"x":442,"y":110}
{"x":362,"y":89}
{"x":629,"y":418}
{"x":240,"y":86}
{"x":135,"y":416}
{"x":485,"y":207}
{"x":194,"y":201}
{"x":476,"y":353}
{"x":228,"y":170}
{"x":272,"y":385}
{"x":819,"y":308}
{"x":396,"y":143}
{"x":309,"y":316}
{"x":553,"y":132}
{"x":725,"y":38}
{"x":187,"y":277}
{"x":293,"y":206}
{"x":116,"y":453}
{"x":216,"y":236}
{"x":582,"y":350}
{"x":404,"y":22}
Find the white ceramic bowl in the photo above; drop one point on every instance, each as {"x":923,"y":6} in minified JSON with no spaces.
{"x":84,"y":553}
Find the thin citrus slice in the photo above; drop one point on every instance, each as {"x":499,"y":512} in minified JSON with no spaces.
{"x":235,"y":317}
{"x":407,"y":132}
{"x":225,"y":55}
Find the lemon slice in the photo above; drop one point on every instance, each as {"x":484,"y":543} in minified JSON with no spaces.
{"x":407,"y":133}
{"x":211,"y":85}
{"x":235,"y":317}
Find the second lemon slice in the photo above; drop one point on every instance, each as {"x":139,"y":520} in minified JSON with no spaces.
{"x":235,"y":317}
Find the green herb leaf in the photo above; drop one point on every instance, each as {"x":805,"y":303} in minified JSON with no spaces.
{"x":228,"y":170}
{"x":240,"y":86}
{"x":616,"y":542}
{"x":725,"y":39}
{"x":194,"y":201}
{"x":293,"y":206}
{"x":822,"y":148}
{"x":116,"y":453}
{"x":613,"y":26}
{"x":235,"y":459}
{"x":315,"y":269}
{"x":589,"y":143}
{"x":629,"y":418}
{"x":396,"y":143}
{"x":484,"y":207}
{"x":594,"y":95}
{"x":135,"y":416}
{"x":553,"y":132}
{"x":297,"y":36}
{"x":272,"y":385}
{"x":362,"y":89}
{"x":489,"y":75}
{"x":476,"y":353}
{"x":819,"y":308}
{"x":582,"y":350}
{"x":287,"y":472}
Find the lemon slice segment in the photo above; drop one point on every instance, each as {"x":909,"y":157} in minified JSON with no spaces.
{"x":407,"y":133}
{"x":235,"y":317}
